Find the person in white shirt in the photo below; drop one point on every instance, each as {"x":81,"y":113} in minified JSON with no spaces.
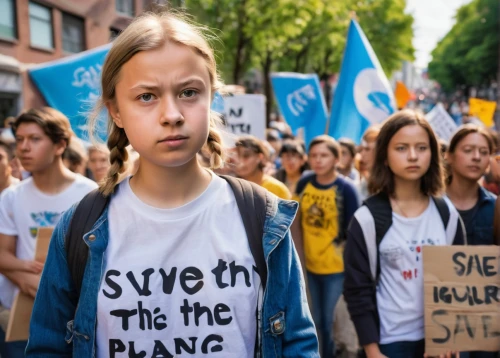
{"x":387,"y":304}
{"x":42,"y":136}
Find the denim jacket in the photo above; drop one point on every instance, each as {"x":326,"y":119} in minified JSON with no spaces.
{"x":482,"y":224}
{"x":62,"y":326}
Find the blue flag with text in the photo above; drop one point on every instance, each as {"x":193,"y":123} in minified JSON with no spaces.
{"x":72,"y":86}
{"x":363,"y":95}
{"x":301,"y":102}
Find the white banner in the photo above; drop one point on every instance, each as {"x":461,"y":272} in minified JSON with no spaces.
{"x":245,"y":114}
{"x":444,"y":126}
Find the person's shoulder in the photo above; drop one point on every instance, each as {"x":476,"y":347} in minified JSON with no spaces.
{"x":83,"y":183}
{"x":306,"y":178}
{"x":347,"y":183}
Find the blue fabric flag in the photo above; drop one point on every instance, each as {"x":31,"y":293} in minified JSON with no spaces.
{"x":72,"y":86}
{"x":363,"y":95}
{"x":301,"y":102}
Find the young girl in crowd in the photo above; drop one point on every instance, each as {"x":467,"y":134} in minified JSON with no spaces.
{"x":347,"y":155}
{"x":293,"y":164}
{"x":98,"y":162}
{"x":387,"y":304}
{"x":170,"y":271}
{"x":251,"y":160}
{"x":468,"y":157}
{"x":327,"y":202}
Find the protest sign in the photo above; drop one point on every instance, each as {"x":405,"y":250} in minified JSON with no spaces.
{"x":246,"y":115}
{"x":462,"y":304}
{"x":20,"y":314}
{"x":484,"y":110}
{"x":441,"y":122}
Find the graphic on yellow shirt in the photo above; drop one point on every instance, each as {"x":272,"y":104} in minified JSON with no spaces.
{"x":320,"y":210}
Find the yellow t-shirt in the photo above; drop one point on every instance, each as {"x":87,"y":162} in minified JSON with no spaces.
{"x":276,"y":187}
{"x":326,"y":212}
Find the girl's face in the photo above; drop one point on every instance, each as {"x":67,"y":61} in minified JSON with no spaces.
{"x":247,"y":162}
{"x":322,"y":160}
{"x":292,"y":162}
{"x":163,"y":104}
{"x":346,"y":158}
{"x":409,"y":153}
{"x":471,"y":157}
{"x":98,"y":164}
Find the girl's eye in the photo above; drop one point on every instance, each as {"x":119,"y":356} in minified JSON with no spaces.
{"x":188,"y":93}
{"x":146,"y":97}
{"x":423,"y":148}
{"x":400,"y":149}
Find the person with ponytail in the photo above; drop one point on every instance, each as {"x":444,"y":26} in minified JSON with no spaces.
{"x":170,"y":270}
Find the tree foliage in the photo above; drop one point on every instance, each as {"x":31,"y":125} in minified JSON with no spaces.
{"x":301,"y":35}
{"x":468,"y":54}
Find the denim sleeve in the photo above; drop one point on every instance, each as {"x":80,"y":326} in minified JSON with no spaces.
{"x":300,"y":334}
{"x":55,"y":302}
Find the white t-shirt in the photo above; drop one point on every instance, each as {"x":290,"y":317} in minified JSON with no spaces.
{"x":23,"y":209}
{"x":400,"y":292}
{"x":177,"y":280}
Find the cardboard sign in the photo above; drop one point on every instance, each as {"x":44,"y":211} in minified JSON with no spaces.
{"x":462,"y":301}
{"x":246,"y":115}
{"x":441,"y":122}
{"x":20,"y":314}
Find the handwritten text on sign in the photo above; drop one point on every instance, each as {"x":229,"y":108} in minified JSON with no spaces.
{"x":246,"y":115}
{"x":462,"y":303}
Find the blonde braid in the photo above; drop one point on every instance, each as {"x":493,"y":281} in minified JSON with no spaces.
{"x":117,"y":143}
{"x":214,"y":144}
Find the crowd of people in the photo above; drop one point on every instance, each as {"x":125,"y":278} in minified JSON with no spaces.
{"x":172,"y":267}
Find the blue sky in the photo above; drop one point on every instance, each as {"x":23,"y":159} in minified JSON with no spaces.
{"x":433,"y":20}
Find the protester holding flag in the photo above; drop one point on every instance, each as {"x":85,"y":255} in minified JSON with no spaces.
{"x":327,"y":202}
{"x":294,"y":163}
{"x":252,"y":157}
{"x":42,"y":135}
{"x":173,"y":226}
{"x":384,"y":279}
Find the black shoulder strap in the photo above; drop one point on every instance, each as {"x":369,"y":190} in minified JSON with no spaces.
{"x":443,"y":209}
{"x":86,"y":214}
{"x":381,"y":210}
{"x":251,"y":200}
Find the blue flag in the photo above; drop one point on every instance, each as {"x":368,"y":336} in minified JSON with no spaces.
{"x":72,"y":86}
{"x":301,"y":102}
{"x":363,"y":95}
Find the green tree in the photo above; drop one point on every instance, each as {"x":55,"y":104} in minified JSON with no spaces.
{"x":468,"y":54}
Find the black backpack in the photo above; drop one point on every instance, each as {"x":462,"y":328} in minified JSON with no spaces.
{"x":381,"y":210}
{"x":250,"y":198}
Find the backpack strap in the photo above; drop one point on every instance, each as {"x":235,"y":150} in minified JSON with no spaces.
{"x":85,"y":216}
{"x":252,"y":201}
{"x":380,"y":209}
{"x":443,"y":209}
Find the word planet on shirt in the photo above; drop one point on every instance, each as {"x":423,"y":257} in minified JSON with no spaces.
{"x":191,"y":281}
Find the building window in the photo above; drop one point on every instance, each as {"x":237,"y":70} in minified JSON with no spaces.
{"x":73,"y":33}
{"x":7,"y":19}
{"x":41,"y":32}
{"x":125,"y":7}
{"x":113,"y":34}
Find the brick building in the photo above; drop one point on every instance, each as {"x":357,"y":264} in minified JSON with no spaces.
{"x":37,"y":31}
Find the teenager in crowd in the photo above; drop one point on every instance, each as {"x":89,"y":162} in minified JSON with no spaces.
{"x":98,"y":162}
{"x":252,"y":157}
{"x":468,"y":157}
{"x":327,"y":202}
{"x":42,"y":135}
{"x":347,"y":155}
{"x":367,"y":158}
{"x":384,"y":285}
{"x":170,"y":270}
{"x":293,"y":163}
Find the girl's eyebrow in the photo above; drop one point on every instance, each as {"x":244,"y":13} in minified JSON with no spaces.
{"x":190,"y":81}
{"x":152,"y":87}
